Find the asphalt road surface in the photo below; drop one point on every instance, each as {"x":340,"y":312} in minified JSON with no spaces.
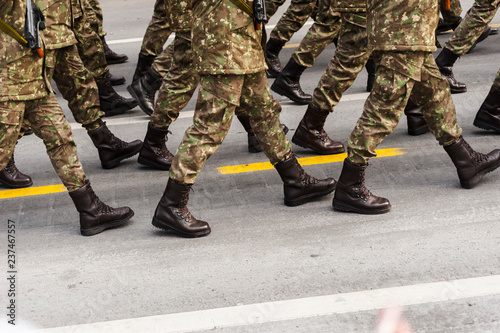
{"x":265,"y":267}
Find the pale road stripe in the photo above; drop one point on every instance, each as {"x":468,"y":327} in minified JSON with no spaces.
{"x":242,"y":315}
{"x":190,"y":114}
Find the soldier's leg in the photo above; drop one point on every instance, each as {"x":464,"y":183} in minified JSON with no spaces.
{"x":177,"y":89}
{"x":488,"y":116}
{"x":272,"y":6}
{"x":349,"y":59}
{"x":452,"y":16}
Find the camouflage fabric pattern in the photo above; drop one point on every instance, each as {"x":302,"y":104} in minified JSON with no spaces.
{"x":178,"y":85}
{"x":345,"y":6}
{"x":48,"y":123}
{"x":58,"y":21}
{"x":453,"y":14}
{"x":75,"y":83}
{"x":293,"y":19}
{"x":180,"y":15}
{"x":325,"y":28}
{"x":218,"y":99}
{"x":163,"y":61}
{"x":389,"y":96}
{"x":472,"y":26}
{"x":158,"y":30}
{"x":97,"y":24}
{"x":402,"y":25}
{"x":225,"y":40}
{"x":496,"y":83}
{"x":349,"y":59}
{"x":272,"y":6}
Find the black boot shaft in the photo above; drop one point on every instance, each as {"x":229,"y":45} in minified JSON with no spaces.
{"x":144,"y":62}
{"x":154,"y":152}
{"x":488,"y":116}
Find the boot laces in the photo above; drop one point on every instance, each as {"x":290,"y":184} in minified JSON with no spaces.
{"x":11,"y":168}
{"x":102,"y":208}
{"x":322,"y":135}
{"x":116,"y":142}
{"x":162,"y":150}
{"x":183,"y":212}
{"x":476,"y":156}
{"x":305,"y":178}
{"x":360,"y":189}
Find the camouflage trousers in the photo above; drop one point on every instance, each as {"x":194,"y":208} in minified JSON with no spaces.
{"x":272,"y":6}
{"x":163,"y":61}
{"x":96,"y":24}
{"x":349,"y":59}
{"x":472,"y":26}
{"x":325,"y":28}
{"x":75,"y":83}
{"x":400,"y":76}
{"x":89,"y":44}
{"x":219,"y":97}
{"x":453,"y":15}
{"x":293,"y":19}
{"x":49,"y":124}
{"x":157,"y":32}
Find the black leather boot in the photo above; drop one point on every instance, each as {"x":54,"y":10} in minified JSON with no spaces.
{"x":415,"y":119}
{"x":370,"y":68}
{"x":111,"y":56}
{"x":273,"y":49}
{"x":253,"y":144}
{"x":96,"y":216}
{"x":445,"y":61}
{"x":144,"y":90}
{"x":298,"y":186}
{"x":442,"y":27}
{"x":111,"y":149}
{"x":471,"y":165}
{"x":144,"y":63}
{"x":11,"y":177}
{"x":311,"y":134}
{"x":173,"y":215}
{"x":111,"y":103}
{"x":488,"y":116}
{"x":352,"y":195}
{"x":288,"y":83}
{"x":117,"y":80}
{"x":154,"y":152}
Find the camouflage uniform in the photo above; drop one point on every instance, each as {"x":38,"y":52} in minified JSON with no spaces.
{"x":349,"y":58}
{"x":229,"y":58}
{"x":97,"y":24}
{"x":25,"y":93}
{"x":452,"y":15}
{"x":472,"y":26}
{"x":405,"y":67}
{"x":292,"y":20}
{"x":325,"y":28}
{"x":272,"y":6}
{"x":158,"y":30}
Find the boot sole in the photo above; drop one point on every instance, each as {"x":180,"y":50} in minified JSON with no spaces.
{"x":162,"y":225}
{"x":153,"y":165}
{"x":281,"y":92}
{"x":101,"y":228}
{"x":307,"y":198}
{"x":457,"y":91}
{"x":475,"y":180}
{"x":339,"y":206}
{"x":15,"y":186}
{"x":419,"y":131}
{"x":116,"y":161}
{"x":302,"y":144}
{"x":486,"y":126}
{"x":137,"y":99}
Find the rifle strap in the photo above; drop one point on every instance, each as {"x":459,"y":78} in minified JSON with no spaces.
{"x":12,"y":33}
{"x":243,"y":6}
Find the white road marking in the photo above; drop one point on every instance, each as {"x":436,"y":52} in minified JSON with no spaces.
{"x":242,"y":315}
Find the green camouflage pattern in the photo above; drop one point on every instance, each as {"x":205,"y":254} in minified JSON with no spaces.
{"x":163,"y":61}
{"x":158,"y":30}
{"x":389,"y":96}
{"x":452,"y":15}
{"x":344,"y":6}
{"x":97,"y":24}
{"x":349,"y":59}
{"x":402,"y":25}
{"x":218,"y":99}
{"x":272,"y":6}
{"x":225,"y":40}
{"x":472,"y":26}
{"x":293,"y":19}
{"x":58,"y":22}
{"x":325,"y":28}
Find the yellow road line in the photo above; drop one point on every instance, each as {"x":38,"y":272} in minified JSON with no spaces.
{"x":24,"y":192}
{"x":496,"y":25}
{"x":323,"y":159}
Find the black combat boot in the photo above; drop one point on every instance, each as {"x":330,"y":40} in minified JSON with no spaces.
{"x":154,"y":152}
{"x":173,"y":215}
{"x":253,"y":143}
{"x":117,"y":80}
{"x":352,"y":195}
{"x":111,"y":103}
{"x":370,"y":69}
{"x":311,"y":134}
{"x":144,"y":63}
{"x":111,"y":56}
{"x":96,"y":216}
{"x":111,"y":149}
{"x":273,"y":49}
{"x":442,"y":27}
{"x":445,"y":61}
{"x":11,"y":177}
{"x":144,"y":90}
{"x":288,"y":83}
{"x":298,"y":186}
{"x":471,"y":165}
{"x":488,"y":116}
{"x":416,"y":122}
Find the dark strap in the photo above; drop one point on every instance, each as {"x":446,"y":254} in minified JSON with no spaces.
{"x":243,"y":6}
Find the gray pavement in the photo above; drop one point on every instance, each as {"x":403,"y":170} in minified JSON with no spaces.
{"x":260,"y":251}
